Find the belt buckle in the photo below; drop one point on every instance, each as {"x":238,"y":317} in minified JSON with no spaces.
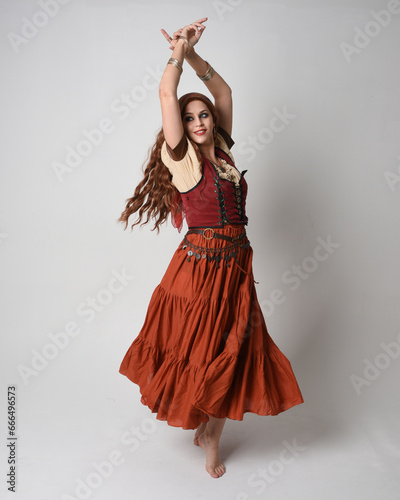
{"x":208,"y":229}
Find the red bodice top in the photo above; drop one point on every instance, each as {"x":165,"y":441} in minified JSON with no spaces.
{"x":213,"y":201}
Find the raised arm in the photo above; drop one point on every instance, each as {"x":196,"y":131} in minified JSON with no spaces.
{"x":171,"y":116}
{"x":220,"y":90}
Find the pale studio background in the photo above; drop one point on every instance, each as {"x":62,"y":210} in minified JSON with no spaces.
{"x":330,"y":173}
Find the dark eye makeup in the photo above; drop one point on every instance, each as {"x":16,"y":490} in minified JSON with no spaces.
{"x":188,"y":118}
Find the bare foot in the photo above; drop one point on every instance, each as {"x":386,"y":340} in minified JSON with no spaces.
{"x":200,"y":429}
{"x":214,"y":466}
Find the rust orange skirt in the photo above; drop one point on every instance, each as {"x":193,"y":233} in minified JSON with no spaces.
{"x":204,"y":349}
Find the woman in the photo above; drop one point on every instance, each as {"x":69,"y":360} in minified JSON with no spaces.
{"x":204,"y":353}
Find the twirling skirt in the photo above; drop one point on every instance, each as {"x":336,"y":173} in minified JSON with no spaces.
{"x":204,"y":349}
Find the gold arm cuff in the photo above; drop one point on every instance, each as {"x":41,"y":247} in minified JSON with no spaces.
{"x":176,"y":63}
{"x":208,"y":75}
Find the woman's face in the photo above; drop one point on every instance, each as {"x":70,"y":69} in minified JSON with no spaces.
{"x":198,"y":123}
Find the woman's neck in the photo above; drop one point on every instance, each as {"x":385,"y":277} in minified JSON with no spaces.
{"x":208,"y":150}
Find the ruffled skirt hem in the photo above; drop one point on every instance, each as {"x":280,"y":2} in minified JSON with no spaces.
{"x":204,"y":349}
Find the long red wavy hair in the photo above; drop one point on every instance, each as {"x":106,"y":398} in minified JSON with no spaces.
{"x":155,"y":197}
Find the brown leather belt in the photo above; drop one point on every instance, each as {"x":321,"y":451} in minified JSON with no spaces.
{"x":205,"y":233}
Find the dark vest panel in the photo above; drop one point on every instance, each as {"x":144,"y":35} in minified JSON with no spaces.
{"x":215,"y":202}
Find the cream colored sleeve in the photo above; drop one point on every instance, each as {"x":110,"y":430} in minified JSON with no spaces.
{"x":186,"y":173}
{"x":220,"y":143}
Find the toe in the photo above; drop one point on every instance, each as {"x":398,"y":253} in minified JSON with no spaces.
{"x":220,"y":469}
{"x":212,"y":473}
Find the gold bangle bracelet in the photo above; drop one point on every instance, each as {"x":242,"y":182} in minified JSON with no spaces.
{"x":176,"y":63}
{"x":208,"y":75}
{"x":186,"y":40}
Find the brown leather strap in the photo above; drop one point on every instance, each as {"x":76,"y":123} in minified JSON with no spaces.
{"x":209,"y":234}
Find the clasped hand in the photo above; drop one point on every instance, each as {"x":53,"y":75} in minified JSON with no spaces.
{"x":192,"y":32}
